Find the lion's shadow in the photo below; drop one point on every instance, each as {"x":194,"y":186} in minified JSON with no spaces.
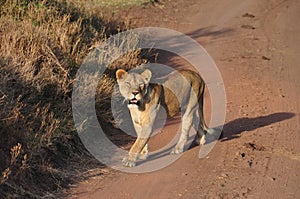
{"x":234,"y":129}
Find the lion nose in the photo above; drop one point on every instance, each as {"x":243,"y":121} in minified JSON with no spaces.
{"x":135,"y":92}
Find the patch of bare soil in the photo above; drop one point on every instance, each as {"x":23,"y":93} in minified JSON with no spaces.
{"x":255,"y":44}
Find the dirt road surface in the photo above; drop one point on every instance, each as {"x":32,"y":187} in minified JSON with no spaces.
{"x":256,"y":47}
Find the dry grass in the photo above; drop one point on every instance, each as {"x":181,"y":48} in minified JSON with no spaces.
{"x":42,"y":44}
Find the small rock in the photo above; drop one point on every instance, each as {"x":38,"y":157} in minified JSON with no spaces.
{"x":250,"y":145}
{"x":248,"y":15}
{"x":250,"y":163}
{"x":265,"y":58}
{"x":247,"y":27}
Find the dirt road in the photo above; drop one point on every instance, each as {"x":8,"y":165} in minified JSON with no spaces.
{"x":256,"y":46}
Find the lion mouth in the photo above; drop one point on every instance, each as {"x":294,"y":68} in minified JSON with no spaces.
{"x":134,"y":101}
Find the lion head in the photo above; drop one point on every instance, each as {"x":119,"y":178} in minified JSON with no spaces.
{"x":133,"y":86}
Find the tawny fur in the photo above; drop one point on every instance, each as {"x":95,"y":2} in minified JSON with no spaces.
{"x":182,"y":91}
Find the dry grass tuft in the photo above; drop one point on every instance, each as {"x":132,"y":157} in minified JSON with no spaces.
{"x":42,"y":44}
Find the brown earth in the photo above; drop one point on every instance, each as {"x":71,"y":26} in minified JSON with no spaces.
{"x":256,"y":46}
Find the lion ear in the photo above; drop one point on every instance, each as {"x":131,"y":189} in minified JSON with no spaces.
{"x":147,"y":75}
{"x":120,"y":74}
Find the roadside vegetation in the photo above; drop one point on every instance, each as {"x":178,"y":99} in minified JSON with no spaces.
{"x":42,"y":44}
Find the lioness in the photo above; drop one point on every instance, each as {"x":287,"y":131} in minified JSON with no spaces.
{"x":183,"y":90}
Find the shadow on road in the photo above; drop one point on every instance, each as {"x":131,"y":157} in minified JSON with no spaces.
{"x":236,"y":127}
{"x":209,"y":31}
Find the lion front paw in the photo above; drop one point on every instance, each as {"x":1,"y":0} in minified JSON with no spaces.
{"x":128,"y":162}
{"x":176,"y":150}
{"x":143,"y":156}
{"x":202,"y":140}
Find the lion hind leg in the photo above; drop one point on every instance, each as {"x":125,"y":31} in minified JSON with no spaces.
{"x":200,"y":136}
{"x":199,"y":124}
{"x":187,"y":121}
{"x":206,"y":134}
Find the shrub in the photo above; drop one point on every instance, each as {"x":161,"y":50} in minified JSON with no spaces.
{"x":42,"y":44}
